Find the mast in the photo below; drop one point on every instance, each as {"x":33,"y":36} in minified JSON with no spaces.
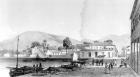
{"x":17,"y":51}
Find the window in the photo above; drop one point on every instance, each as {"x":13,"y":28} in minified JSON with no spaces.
{"x":89,"y":54}
{"x":96,"y":54}
{"x":104,"y":47}
{"x":108,"y":54}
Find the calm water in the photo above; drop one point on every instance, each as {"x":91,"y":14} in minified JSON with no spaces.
{"x":11,"y":62}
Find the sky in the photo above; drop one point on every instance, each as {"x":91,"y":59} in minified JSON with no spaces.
{"x":78,"y":19}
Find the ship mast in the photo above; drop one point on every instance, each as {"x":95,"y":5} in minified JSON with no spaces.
{"x":17,"y":52}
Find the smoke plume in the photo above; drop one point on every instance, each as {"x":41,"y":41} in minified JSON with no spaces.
{"x":83,"y":20}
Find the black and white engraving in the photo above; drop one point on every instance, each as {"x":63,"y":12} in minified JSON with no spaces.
{"x":69,"y":38}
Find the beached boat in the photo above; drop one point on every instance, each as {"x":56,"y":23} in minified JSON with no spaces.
{"x":17,"y":71}
{"x":21,"y":71}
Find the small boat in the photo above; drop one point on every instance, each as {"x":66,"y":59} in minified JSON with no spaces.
{"x":21,"y":71}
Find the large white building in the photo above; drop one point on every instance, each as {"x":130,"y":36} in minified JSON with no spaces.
{"x":99,"y":50}
{"x":38,"y":51}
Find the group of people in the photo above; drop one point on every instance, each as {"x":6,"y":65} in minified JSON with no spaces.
{"x":37,"y":67}
{"x":99,"y":62}
{"x":109,"y":67}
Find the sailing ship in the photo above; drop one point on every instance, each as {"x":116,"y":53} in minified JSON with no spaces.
{"x":17,"y":71}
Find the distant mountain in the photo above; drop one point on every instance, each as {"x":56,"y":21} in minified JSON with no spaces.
{"x":119,"y":41}
{"x":26,"y":38}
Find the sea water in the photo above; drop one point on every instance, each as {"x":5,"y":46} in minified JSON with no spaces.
{"x":6,"y":63}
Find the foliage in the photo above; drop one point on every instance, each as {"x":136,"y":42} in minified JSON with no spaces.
{"x":66,"y":43}
{"x":34,"y":44}
{"x":60,"y":48}
{"x":109,"y":41}
{"x":96,"y":41}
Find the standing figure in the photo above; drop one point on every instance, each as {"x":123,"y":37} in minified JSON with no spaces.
{"x":34,"y":68}
{"x":93,"y":62}
{"x":37,"y":67}
{"x":122,"y":63}
{"x":106,"y":68}
{"x":109,"y":67}
{"x":125,"y":63}
{"x":40,"y":66}
{"x":102,"y":62}
{"x":97,"y":62}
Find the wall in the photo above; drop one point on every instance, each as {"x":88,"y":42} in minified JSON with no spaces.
{"x":135,"y":39}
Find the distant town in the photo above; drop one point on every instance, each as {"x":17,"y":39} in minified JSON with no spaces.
{"x":88,"y":49}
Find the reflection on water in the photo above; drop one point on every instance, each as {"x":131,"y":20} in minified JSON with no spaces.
{"x":11,"y":62}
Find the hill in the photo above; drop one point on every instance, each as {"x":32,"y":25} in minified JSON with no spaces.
{"x":26,"y":38}
{"x":119,"y":41}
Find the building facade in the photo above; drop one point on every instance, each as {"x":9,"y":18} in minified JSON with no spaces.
{"x":126,"y":52}
{"x":135,"y":37}
{"x":98,"y":50}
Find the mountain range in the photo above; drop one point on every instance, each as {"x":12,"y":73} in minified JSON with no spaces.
{"x":120,"y":41}
{"x":26,"y":38}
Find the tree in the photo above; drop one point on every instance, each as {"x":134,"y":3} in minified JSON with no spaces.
{"x":34,"y":44}
{"x":109,"y":41}
{"x":67,"y":43}
{"x":96,"y":41}
{"x":60,"y":48}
